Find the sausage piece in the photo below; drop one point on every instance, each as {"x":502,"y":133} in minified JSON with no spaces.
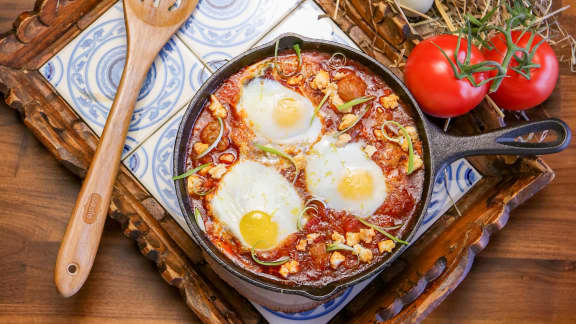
{"x":210,"y":133}
{"x":351,"y":87}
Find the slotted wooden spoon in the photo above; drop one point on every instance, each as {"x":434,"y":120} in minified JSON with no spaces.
{"x":149,"y":25}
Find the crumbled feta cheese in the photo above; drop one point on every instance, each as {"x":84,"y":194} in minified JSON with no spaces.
{"x":364,"y":254}
{"x":337,"y":237}
{"x":301,"y":246}
{"x":200,"y":147}
{"x":217,"y":171}
{"x":321,"y":80}
{"x":418,"y":163}
{"x":390,"y":101}
{"x":370,"y":150}
{"x":194,"y":183}
{"x":347,"y":121}
{"x":312,"y":237}
{"x":289,"y":267}
{"x":300,"y":161}
{"x":216,"y":108}
{"x":386,"y":246}
{"x":366,"y":234}
{"x":352,"y":238}
{"x":295,"y":80}
{"x":335,"y":259}
{"x":227,"y":158}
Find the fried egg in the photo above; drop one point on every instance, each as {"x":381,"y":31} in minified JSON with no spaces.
{"x":277,"y":114}
{"x":257,"y":205}
{"x":345,"y":177}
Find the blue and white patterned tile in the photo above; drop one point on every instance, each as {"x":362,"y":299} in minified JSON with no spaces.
{"x":221,"y":29}
{"x":460,"y":177}
{"x":87,"y":72}
{"x":151,"y":163}
{"x":309,"y":20}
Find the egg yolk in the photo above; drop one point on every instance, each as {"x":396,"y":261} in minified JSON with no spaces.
{"x":287,"y":112}
{"x":258,"y":230}
{"x":356,"y":185}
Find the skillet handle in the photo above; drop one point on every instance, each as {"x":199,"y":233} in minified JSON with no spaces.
{"x":448,"y":148}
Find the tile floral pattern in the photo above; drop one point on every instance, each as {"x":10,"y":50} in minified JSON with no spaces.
{"x":93,"y":67}
{"x":221,"y":29}
{"x":87,"y":71}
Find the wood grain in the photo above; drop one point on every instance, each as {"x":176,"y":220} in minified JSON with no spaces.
{"x":529,"y":278}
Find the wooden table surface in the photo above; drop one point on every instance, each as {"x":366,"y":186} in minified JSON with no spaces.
{"x":526,"y":275}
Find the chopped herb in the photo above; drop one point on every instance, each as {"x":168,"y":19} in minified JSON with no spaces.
{"x":317,"y":109}
{"x":381,"y":230}
{"x":281,"y":154}
{"x":348,"y":105}
{"x":213,"y":145}
{"x":338,"y":246}
{"x":191,"y":172}
{"x":399,"y":141}
{"x":355,"y":122}
{"x":278,"y":262}
{"x":199,"y":219}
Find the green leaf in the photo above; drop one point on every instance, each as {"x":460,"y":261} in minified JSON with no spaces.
{"x":381,"y":230}
{"x":345,"y":107}
{"x":355,"y":122}
{"x":191,"y":172}
{"x":301,"y":213}
{"x":319,"y":106}
{"x":281,"y":154}
{"x":338,"y":246}
{"x":199,"y":220}
{"x":278,"y":262}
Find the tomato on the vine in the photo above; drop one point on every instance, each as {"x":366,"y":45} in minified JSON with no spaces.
{"x":433,"y":82}
{"x":516,"y":92}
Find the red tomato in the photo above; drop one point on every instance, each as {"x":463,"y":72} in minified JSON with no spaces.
{"x":431,"y":79}
{"x":516,"y":92}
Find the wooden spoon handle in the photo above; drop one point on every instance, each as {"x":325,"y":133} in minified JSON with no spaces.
{"x":80,"y":243}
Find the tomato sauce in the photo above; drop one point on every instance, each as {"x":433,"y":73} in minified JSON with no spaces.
{"x":404,"y":191}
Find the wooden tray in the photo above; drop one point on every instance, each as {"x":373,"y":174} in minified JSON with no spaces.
{"x":407,"y":292}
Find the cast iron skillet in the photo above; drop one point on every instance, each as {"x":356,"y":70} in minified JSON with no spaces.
{"x":439,"y":149}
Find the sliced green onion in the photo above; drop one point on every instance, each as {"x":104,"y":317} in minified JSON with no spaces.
{"x":191,"y":172}
{"x":317,"y":109}
{"x":213,"y":145}
{"x":355,"y":122}
{"x":348,"y":105}
{"x":381,"y":230}
{"x":301,"y":213}
{"x":332,"y":60}
{"x":199,"y":219}
{"x":309,"y":201}
{"x":296,"y":48}
{"x":398,"y":140}
{"x":203,"y":193}
{"x":281,"y":154}
{"x":338,"y":246}
{"x":278,"y":262}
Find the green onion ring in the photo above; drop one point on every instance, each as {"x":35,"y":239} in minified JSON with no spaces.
{"x":281,"y":154}
{"x":331,"y":60}
{"x":309,"y":201}
{"x":301,"y":213}
{"x":397,"y":140}
{"x":348,"y":105}
{"x":381,"y":230}
{"x":199,"y":219}
{"x":278,"y":262}
{"x":317,"y":109}
{"x":191,"y":172}
{"x":338,"y":246}
{"x":213,"y":145}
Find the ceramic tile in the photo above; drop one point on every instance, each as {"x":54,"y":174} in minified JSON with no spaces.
{"x":306,"y":20}
{"x":87,"y":72}
{"x":151,"y":163}
{"x":221,"y":29}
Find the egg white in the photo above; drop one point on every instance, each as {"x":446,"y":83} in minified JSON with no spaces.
{"x":328,"y":165}
{"x":258,"y":102}
{"x":250,"y":186}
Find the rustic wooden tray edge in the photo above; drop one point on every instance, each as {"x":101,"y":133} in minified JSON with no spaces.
{"x":414,"y":285}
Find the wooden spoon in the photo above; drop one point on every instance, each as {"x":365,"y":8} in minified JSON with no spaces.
{"x":149,"y":25}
